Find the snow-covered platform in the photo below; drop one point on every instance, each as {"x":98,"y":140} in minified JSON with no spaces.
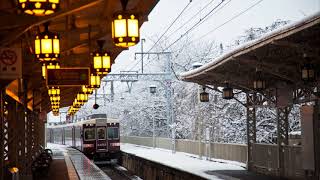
{"x":216,"y":169}
{"x":78,"y":165}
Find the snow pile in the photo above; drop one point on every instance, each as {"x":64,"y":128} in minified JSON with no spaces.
{"x":182,"y":161}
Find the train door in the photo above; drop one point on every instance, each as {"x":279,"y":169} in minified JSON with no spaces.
{"x":113,"y":137}
{"x":101,"y":140}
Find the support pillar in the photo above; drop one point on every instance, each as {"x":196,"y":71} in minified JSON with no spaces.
{"x":282,"y":136}
{"x":251,"y":129}
{"x":3,"y":142}
{"x":316,"y":131}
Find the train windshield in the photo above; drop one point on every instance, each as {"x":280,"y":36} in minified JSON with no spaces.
{"x":113,"y":133}
{"x":101,"y":131}
{"x":89,"y":134}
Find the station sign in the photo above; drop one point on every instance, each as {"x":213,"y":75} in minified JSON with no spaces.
{"x":68,"y":77}
{"x":10,"y":63}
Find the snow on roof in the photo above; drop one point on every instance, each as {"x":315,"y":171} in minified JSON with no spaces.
{"x":244,"y":48}
{"x":182,"y":161}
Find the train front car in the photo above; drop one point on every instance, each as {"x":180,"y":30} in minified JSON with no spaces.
{"x":107,"y":141}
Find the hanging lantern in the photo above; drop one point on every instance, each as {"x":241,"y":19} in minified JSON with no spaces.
{"x":259,"y":84}
{"x":204,"y":96}
{"x":125,"y":30}
{"x":153,"y":89}
{"x":51,"y":65}
{"x":47,"y":45}
{"x":55,"y":99}
{"x":87,"y":90}
{"x":52,"y":91}
{"x":101,"y":60}
{"x":81,"y":97}
{"x":308,"y":72}
{"x":39,"y":7}
{"x":227,"y":92}
{"x":94,"y":81}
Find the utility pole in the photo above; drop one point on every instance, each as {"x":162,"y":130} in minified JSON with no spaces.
{"x":142,"y":54}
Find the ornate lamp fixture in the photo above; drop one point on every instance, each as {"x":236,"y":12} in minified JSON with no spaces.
{"x":94,"y":81}
{"x":51,"y":65}
{"x":204,"y":96}
{"x":125,"y":27}
{"x":47,"y":45}
{"x":54,"y":91}
{"x":82,"y":97}
{"x":308,"y":71}
{"x":227,"y":92}
{"x":259,"y":84}
{"x":55,"y":99}
{"x":87,"y":90}
{"x":101,"y":60}
{"x":39,"y":7}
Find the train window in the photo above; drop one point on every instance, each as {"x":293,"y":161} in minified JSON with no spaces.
{"x":113,"y":133}
{"x":89,"y":134}
{"x":101,"y":131}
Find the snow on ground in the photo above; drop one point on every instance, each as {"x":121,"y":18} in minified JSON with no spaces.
{"x":182,"y":161}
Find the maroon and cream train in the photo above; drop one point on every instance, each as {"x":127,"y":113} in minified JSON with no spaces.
{"x":97,"y":137}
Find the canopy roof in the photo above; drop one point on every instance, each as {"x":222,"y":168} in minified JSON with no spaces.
{"x":73,"y":22}
{"x":279,"y":55}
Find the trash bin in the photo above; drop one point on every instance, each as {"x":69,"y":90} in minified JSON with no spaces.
{"x":14,"y":173}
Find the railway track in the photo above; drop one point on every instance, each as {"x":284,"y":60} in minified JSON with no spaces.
{"x":117,"y":172}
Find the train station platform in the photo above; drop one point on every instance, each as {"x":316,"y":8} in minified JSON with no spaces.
{"x":71,"y":164}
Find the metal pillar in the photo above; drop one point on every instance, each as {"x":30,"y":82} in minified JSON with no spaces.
{"x":251,"y":129}
{"x":316,"y":130}
{"x":282,"y":136}
{"x":3,"y":133}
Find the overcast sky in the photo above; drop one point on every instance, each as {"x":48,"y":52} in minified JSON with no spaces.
{"x":263,"y":13}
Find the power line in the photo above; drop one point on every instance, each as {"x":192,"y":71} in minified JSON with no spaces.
{"x":179,"y":15}
{"x":234,"y":17}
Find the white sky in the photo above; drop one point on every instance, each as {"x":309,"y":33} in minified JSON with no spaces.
{"x":263,"y":14}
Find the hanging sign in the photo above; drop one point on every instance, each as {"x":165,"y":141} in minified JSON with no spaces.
{"x":10,"y":63}
{"x":68,"y":77}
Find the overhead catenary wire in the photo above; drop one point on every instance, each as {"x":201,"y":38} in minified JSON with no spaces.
{"x":231,"y":19}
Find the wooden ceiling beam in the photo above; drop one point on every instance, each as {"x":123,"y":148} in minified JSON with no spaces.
{"x":27,"y":22}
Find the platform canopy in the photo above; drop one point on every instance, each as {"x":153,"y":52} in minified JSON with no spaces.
{"x":73,"y":22}
{"x":279,"y":55}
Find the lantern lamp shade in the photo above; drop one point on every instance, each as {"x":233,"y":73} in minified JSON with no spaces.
{"x":55,"y":99}
{"x":87,"y":90}
{"x":51,"y":65}
{"x":39,"y":7}
{"x":125,"y":29}
{"x":82,"y":97}
{"x":227,"y":93}
{"x":54,"y":91}
{"x":308,"y":73}
{"x":101,"y":63}
{"x":204,"y":97}
{"x":47,"y":46}
{"x":259,"y":84}
{"x":94,"y":81}
{"x":153,"y":89}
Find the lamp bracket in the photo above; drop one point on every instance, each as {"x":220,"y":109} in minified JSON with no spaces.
{"x":124,"y":4}
{"x":100,"y":43}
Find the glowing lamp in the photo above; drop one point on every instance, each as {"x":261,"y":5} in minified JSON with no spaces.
{"x":94,"y":81}
{"x":125,"y":30}
{"x":55,"y":99}
{"x":101,"y":60}
{"x":87,"y":90}
{"x":47,"y":46}
{"x":54,"y":91}
{"x":81,"y":97}
{"x":39,"y":7}
{"x":227,"y":92}
{"x":204,"y":96}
